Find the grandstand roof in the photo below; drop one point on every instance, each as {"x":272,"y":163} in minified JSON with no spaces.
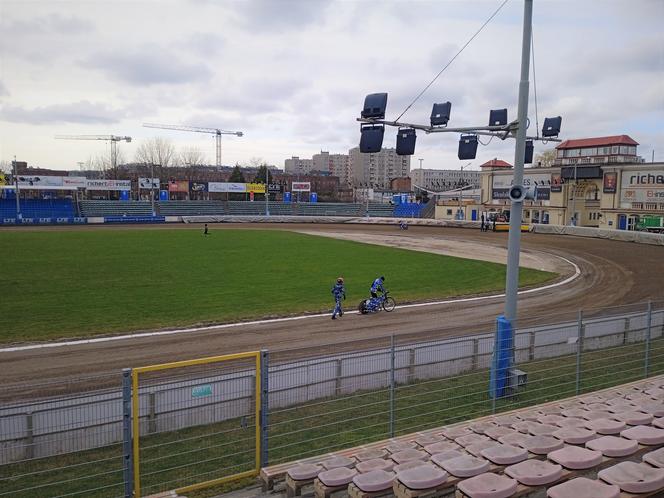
{"x":496,"y":163}
{"x":597,"y":141}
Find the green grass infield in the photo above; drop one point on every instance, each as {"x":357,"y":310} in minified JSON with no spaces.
{"x":80,"y":283}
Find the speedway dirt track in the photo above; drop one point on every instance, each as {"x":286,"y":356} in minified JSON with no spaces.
{"x":612,"y":274}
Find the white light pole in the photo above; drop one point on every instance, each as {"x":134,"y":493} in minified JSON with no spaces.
{"x":18,"y":202}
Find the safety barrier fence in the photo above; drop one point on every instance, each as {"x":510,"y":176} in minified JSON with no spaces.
{"x":211,"y":420}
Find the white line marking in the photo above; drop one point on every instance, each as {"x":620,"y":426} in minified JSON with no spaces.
{"x":577,"y":272}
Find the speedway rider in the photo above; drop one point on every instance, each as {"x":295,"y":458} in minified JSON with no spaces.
{"x":377,"y":286}
{"x":339,"y":292}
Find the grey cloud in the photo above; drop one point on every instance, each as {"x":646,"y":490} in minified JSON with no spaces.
{"x":151,"y":65}
{"x":83,"y":112}
{"x":3,"y":90}
{"x":259,"y":96}
{"x":272,"y":15}
{"x":50,"y":24}
{"x":204,"y":43}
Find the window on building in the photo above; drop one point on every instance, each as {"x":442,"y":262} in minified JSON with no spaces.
{"x":651,"y":205}
{"x":449,"y":212}
{"x":614,"y":149}
{"x":637,"y":205}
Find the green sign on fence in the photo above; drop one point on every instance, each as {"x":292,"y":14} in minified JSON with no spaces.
{"x":201,"y":391}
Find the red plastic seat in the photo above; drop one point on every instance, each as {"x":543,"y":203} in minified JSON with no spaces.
{"x":575,"y":435}
{"x":543,"y":429}
{"x":655,"y":458}
{"x":470,"y":439}
{"x":575,"y":458}
{"x":427,"y":439}
{"x":634,"y":477}
{"x":376,"y":480}
{"x":583,"y":487}
{"x":529,"y":416}
{"x":337,"y":477}
{"x":422,"y":477}
{"x":506,"y":420}
{"x":396,"y":446}
{"x":572,"y":422}
{"x":517,"y":439}
{"x":476,"y":449}
{"x":606,"y":426}
{"x":488,"y":486}
{"x":633,"y":417}
{"x":408,"y":465}
{"x":655,"y":408}
{"x":550,"y":419}
{"x":455,"y":432}
{"x":504,"y":454}
{"x":465,"y":466}
{"x":535,"y":472}
{"x":439,"y":458}
{"x":574,"y":412}
{"x":644,"y":434}
{"x":481,"y":427}
{"x":374,"y":464}
{"x":407,"y":455}
{"x":524,"y":426}
{"x":612,"y":446}
{"x":542,"y":445}
{"x":337,"y":461}
{"x":442,"y":446}
{"x":304,"y":471}
{"x":365,"y":455}
{"x":499,"y":431}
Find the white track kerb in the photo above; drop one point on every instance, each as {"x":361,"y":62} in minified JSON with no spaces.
{"x":577,"y":272}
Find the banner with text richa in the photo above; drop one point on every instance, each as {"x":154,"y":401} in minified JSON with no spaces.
{"x":227,"y":187}
{"x":641,"y":186}
{"x":301,"y":187}
{"x":108,"y":184}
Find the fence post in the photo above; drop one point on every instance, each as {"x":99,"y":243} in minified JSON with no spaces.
{"x":338,"y":374}
{"x":152,"y":413}
{"x":411,"y":365}
{"x":648,"y":325}
{"x":579,"y":350}
{"x":626,"y":329}
{"x":392,"y":384}
{"x":29,"y":437}
{"x":127,"y":446}
{"x":265,"y":405}
{"x":475,"y":365}
{"x":531,"y":346}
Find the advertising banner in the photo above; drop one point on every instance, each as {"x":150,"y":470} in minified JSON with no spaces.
{"x":301,"y":187}
{"x":502,"y":184}
{"x":256,"y":188}
{"x":199,"y":186}
{"x":610,"y":182}
{"x":178,"y":186}
{"x":556,"y":182}
{"x":642,"y":186}
{"x":4,"y":179}
{"x":227,"y":187}
{"x":275,"y":188}
{"x":148,"y":183}
{"x":51,"y":182}
{"x":108,"y":184}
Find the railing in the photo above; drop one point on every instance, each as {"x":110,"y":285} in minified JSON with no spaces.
{"x":75,"y":443}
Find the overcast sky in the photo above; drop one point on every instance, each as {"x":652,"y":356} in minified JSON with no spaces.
{"x":292,"y":75}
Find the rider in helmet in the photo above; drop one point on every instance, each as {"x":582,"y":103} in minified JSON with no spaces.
{"x":377,"y":286}
{"x":339,"y":292}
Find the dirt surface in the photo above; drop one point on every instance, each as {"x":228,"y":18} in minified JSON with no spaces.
{"x":613,"y":273}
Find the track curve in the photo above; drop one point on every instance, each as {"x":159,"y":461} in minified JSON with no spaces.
{"x":612,"y":274}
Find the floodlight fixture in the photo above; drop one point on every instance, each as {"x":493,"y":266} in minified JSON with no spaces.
{"x":371,"y":138}
{"x":375,"y":105}
{"x":528,"y":158}
{"x":467,"y":147}
{"x":406,"y":141}
{"x":440,"y":114}
{"x":498,"y":117}
{"x":551,"y":126}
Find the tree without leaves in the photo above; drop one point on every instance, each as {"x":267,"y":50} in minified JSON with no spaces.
{"x":158,"y":151}
{"x":189,"y":158}
{"x":546,"y":158}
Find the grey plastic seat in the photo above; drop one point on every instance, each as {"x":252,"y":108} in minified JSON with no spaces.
{"x":365,"y":455}
{"x":551,"y":410}
{"x":572,"y":422}
{"x":304,"y":471}
{"x":644,"y":434}
{"x":337,"y":461}
{"x":376,"y":480}
{"x":535,"y":472}
{"x":504,"y":454}
{"x":455,"y":432}
{"x":408,"y":465}
{"x":439,"y":447}
{"x":488,"y":485}
{"x":517,"y":439}
{"x":612,"y":446}
{"x":550,"y":419}
{"x":506,"y":420}
{"x":595,"y":398}
{"x":499,"y":431}
{"x":374,"y":464}
{"x":396,"y":446}
{"x":575,"y":458}
{"x":481,"y":427}
{"x":655,"y":458}
{"x":337,"y":477}
{"x":439,"y":458}
{"x":465,"y":466}
{"x":410,"y":454}
{"x":606,"y":426}
{"x":422,"y":477}
{"x":655,"y":408}
{"x":583,"y":487}
{"x":634,"y":477}
{"x":529,"y":415}
{"x":597,"y":407}
{"x":574,"y":412}
{"x":595,"y":414}
{"x":658,"y":422}
{"x":575,"y":435}
{"x":524,"y":426}
{"x":542,"y":445}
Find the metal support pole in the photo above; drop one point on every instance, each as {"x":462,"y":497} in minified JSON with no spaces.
{"x":30,"y":435}
{"x":127,"y":446}
{"x":579,"y":351}
{"x":152,"y":187}
{"x":648,"y":327}
{"x":267,"y":191}
{"x":265,"y":406}
{"x":514,"y":241}
{"x":18,"y":202}
{"x":392,"y":384}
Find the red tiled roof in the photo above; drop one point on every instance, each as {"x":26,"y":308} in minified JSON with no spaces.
{"x":596,"y":142}
{"x":496,"y":163}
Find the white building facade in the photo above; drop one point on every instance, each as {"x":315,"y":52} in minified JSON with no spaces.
{"x":377,"y":169}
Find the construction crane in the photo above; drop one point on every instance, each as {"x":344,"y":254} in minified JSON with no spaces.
{"x":197,"y":129}
{"x":108,"y":138}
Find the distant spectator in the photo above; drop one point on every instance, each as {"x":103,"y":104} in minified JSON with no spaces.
{"x":205,"y":230}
